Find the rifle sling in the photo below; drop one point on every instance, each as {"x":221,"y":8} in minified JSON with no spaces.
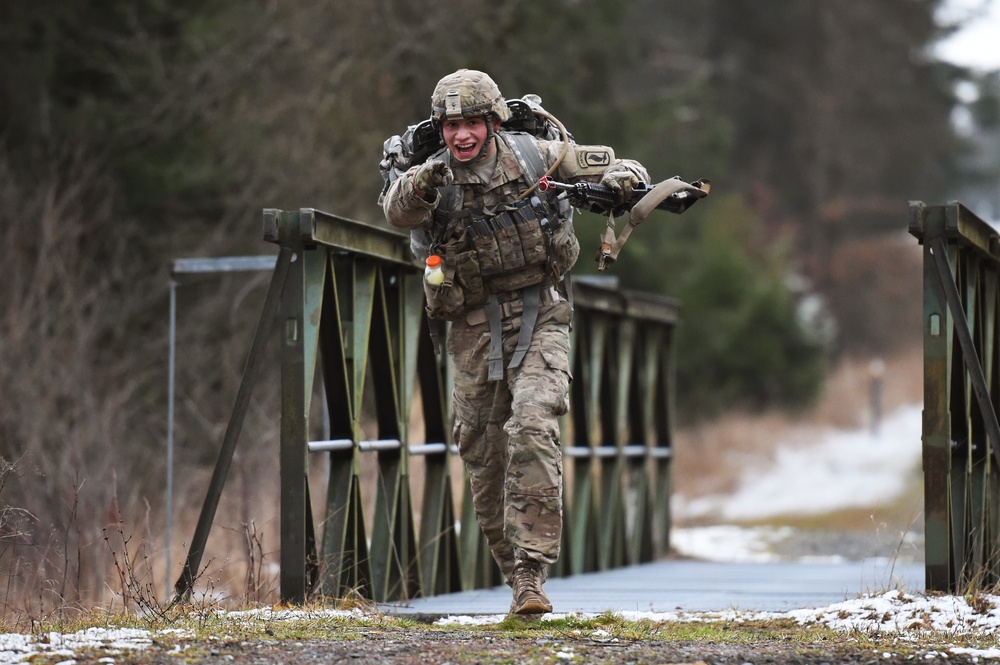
{"x":641,"y":210}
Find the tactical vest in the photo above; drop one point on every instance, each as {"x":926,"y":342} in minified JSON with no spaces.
{"x":494,"y":250}
{"x":495,"y":256}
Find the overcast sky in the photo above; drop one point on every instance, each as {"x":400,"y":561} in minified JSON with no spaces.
{"x":978,"y":44}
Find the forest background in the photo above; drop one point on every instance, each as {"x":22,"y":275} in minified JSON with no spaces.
{"x":135,"y":133}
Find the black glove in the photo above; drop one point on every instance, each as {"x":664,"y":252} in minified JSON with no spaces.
{"x":431,"y":175}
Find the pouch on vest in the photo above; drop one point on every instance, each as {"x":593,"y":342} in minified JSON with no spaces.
{"x":515,"y":281}
{"x":469,"y":276}
{"x":445,"y":301}
{"x":485,"y":243}
{"x":529,"y":230}
{"x":509,"y":241}
{"x":564,"y":248}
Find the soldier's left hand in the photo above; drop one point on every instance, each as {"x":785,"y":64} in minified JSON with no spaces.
{"x":621,"y":181}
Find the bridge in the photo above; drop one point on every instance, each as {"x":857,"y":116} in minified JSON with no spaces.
{"x":346,"y":299}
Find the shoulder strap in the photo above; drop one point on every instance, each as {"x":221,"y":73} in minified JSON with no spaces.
{"x":528,"y":154}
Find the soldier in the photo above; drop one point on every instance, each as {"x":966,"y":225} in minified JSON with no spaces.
{"x":506,"y":251}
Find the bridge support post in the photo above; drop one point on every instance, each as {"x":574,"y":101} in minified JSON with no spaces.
{"x":961,"y":433}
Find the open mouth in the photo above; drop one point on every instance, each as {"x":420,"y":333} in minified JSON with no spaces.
{"x":466,"y":151}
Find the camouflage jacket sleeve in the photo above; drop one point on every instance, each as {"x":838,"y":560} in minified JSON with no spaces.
{"x":403,"y":208}
{"x":588,"y":162}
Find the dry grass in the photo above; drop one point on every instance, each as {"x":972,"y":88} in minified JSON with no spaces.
{"x":711,"y":458}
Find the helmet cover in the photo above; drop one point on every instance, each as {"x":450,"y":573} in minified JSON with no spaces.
{"x":467,"y":93}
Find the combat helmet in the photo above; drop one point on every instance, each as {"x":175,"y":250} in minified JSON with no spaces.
{"x":467,"y":93}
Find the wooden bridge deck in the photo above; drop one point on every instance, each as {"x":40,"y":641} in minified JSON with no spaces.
{"x":691,"y":586}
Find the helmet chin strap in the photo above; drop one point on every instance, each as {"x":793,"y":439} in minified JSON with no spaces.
{"x":490,"y":135}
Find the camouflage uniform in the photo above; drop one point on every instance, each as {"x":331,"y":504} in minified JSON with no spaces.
{"x":507,"y":431}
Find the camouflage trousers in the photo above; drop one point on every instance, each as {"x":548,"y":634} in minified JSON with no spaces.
{"x":508,"y":434}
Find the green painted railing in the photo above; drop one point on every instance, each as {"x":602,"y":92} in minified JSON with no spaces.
{"x":961,"y":392}
{"x":348,"y":303}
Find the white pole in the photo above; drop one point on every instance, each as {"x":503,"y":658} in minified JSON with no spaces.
{"x":170,"y":429}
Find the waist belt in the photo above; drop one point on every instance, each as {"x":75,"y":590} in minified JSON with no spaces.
{"x":547,"y":296}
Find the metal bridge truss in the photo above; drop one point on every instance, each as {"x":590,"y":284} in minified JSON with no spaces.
{"x":961,"y":393}
{"x":348,"y":304}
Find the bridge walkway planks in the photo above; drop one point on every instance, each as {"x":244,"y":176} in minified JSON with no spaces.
{"x":691,"y":586}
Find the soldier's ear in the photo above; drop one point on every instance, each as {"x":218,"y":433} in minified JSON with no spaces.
{"x":496,"y":124}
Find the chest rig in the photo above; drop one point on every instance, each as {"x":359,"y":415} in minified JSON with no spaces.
{"x":501,"y":256}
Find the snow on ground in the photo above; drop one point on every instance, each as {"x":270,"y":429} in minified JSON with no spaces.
{"x":117,"y":643}
{"x":729,"y":542}
{"x":19,"y":648}
{"x":842,"y":469}
{"x":888,"y":612}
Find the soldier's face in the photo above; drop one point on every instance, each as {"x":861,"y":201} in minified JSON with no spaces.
{"x":465,"y":138}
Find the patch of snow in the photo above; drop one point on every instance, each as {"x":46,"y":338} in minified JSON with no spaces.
{"x":843,"y":469}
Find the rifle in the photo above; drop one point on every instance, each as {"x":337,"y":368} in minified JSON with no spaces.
{"x":673,"y":195}
{"x":600,"y":198}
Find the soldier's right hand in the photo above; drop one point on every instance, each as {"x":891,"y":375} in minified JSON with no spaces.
{"x":432,"y":174}
{"x":621,"y":181}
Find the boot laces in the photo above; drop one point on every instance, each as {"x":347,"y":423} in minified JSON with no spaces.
{"x":527,"y":578}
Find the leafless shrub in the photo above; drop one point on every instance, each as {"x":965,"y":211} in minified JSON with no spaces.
{"x":255,"y":564}
{"x":135,"y":586}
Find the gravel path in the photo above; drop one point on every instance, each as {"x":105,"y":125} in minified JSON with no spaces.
{"x":416,"y":647}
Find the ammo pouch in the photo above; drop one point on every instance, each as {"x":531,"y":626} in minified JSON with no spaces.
{"x":511,"y":246}
{"x":491,"y":251}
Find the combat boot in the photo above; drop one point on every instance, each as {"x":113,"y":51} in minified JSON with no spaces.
{"x":528,"y":595}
